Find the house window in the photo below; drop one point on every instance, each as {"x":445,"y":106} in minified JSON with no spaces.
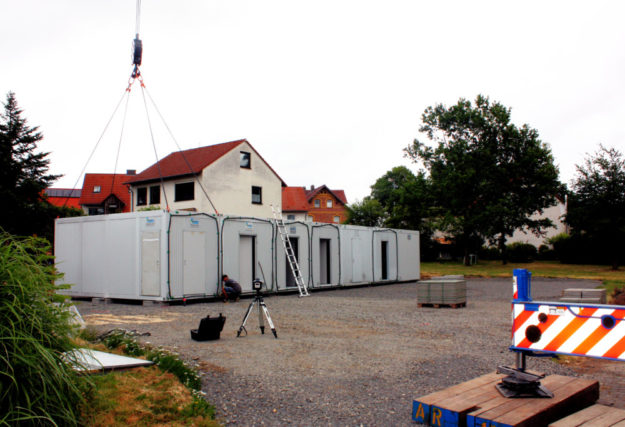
{"x":142,"y":196}
{"x":257,"y":195}
{"x":246,"y":160}
{"x":337,"y":219}
{"x":97,"y":189}
{"x":317,"y":203}
{"x":155,"y":195}
{"x":184,"y":191}
{"x":329,"y":203}
{"x":290,"y":216}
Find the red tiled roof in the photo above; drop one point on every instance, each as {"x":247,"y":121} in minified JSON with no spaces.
{"x":177,"y":163}
{"x":63,"y":197}
{"x":104,"y":181}
{"x":294,"y":199}
{"x":338,"y":194}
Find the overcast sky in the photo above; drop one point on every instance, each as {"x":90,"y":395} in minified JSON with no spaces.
{"x":328,"y":92}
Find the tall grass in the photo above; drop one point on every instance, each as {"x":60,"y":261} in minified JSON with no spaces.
{"x":37,"y":386}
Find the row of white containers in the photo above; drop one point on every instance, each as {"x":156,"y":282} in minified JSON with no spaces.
{"x":156,"y":255}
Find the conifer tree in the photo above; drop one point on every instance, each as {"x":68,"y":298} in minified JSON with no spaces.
{"x":23,"y":174}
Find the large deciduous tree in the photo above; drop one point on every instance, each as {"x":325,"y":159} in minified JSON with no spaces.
{"x":488,"y":176}
{"x":596,"y":207}
{"x":23,"y":175}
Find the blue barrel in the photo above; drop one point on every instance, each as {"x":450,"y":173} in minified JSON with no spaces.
{"x":524,"y":284}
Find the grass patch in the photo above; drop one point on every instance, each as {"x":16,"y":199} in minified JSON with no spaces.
{"x":146,"y":396}
{"x":611,"y":279}
{"x":167,"y":393}
{"x":538,"y":269}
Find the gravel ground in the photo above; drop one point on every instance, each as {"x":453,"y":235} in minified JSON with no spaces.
{"x":345,"y":357}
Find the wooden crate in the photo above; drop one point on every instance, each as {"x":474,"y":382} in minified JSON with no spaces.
{"x":477,"y":403}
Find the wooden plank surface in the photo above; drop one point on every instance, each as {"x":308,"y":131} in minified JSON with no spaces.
{"x":421,"y":407}
{"x":580,"y":417}
{"x":610,"y":417}
{"x":570,"y":394}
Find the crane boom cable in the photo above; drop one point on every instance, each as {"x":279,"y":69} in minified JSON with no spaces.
{"x":126,"y":93}
{"x":119,"y":145}
{"x":138,"y":19}
{"x":195,"y":175}
{"x":158,"y":163}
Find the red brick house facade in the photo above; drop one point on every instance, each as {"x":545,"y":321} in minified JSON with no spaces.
{"x":319,"y":204}
{"x":105,"y":193}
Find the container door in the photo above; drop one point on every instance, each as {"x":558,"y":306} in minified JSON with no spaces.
{"x":357,"y":261}
{"x":247,"y":261}
{"x":194,"y":256}
{"x":290,"y":277}
{"x":150,"y":263}
{"x":384,"y":255}
{"x":324,"y":261}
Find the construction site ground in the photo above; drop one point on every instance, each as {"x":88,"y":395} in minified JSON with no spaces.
{"x":348,"y":356}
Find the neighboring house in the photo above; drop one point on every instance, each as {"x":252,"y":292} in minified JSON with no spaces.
{"x":69,"y":197}
{"x":555,"y":214}
{"x":317,"y":204}
{"x":105,"y":193}
{"x":235,"y":177}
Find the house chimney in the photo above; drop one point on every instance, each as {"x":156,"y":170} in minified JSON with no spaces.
{"x":131,"y":171}
{"x":312,"y":188}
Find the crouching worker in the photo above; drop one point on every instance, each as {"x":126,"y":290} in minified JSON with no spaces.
{"x":232,"y":289}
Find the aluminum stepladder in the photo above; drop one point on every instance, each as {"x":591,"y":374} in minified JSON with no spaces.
{"x":290,"y":255}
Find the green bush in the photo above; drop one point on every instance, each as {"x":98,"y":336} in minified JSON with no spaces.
{"x":37,"y":385}
{"x":546,"y":253}
{"x":521,"y":252}
{"x":489,"y":253}
{"x":169,"y":362}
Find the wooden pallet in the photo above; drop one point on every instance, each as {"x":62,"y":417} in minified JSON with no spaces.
{"x":477,"y":403}
{"x":595,"y":415}
{"x":455,"y":305}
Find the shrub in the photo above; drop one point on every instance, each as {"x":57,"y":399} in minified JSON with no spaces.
{"x":546,"y":253}
{"x":489,"y":253}
{"x":38,"y":386}
{"x":521,"y":252}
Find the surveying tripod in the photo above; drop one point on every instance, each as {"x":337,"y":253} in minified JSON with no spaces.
{"x":262,"y":308}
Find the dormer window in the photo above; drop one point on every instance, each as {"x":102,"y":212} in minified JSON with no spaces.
{"x":97,"y":189}
{"x":245,"y":160}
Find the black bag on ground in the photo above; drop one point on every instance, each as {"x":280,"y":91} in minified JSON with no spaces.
{"x":209,"y":329}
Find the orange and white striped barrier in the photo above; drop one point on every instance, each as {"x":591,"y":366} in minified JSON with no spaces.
{"x":592,"y":330}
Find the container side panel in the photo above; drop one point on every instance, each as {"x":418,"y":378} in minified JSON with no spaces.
{"x":150,"y":263}
{"x":194,"y":262}
{"x":68,"y":255}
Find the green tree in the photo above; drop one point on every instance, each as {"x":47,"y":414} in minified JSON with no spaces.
{"x":405,"y":198}
{"x":487,"y":175}
{"x":596,"y":207}
{"x":23,"y":175}
{"x":368,"y":212}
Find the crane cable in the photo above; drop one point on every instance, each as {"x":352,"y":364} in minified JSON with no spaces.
{"x":136,"y":75}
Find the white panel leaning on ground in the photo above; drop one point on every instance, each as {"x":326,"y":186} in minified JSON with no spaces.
{"x":162,"y":256}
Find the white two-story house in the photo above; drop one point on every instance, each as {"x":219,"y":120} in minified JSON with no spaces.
{"x":235,"y":178}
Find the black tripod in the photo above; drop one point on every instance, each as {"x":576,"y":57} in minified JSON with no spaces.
{"x":262,"y":308}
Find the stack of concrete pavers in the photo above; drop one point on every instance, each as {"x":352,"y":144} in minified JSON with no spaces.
{"x":445,"y":291}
